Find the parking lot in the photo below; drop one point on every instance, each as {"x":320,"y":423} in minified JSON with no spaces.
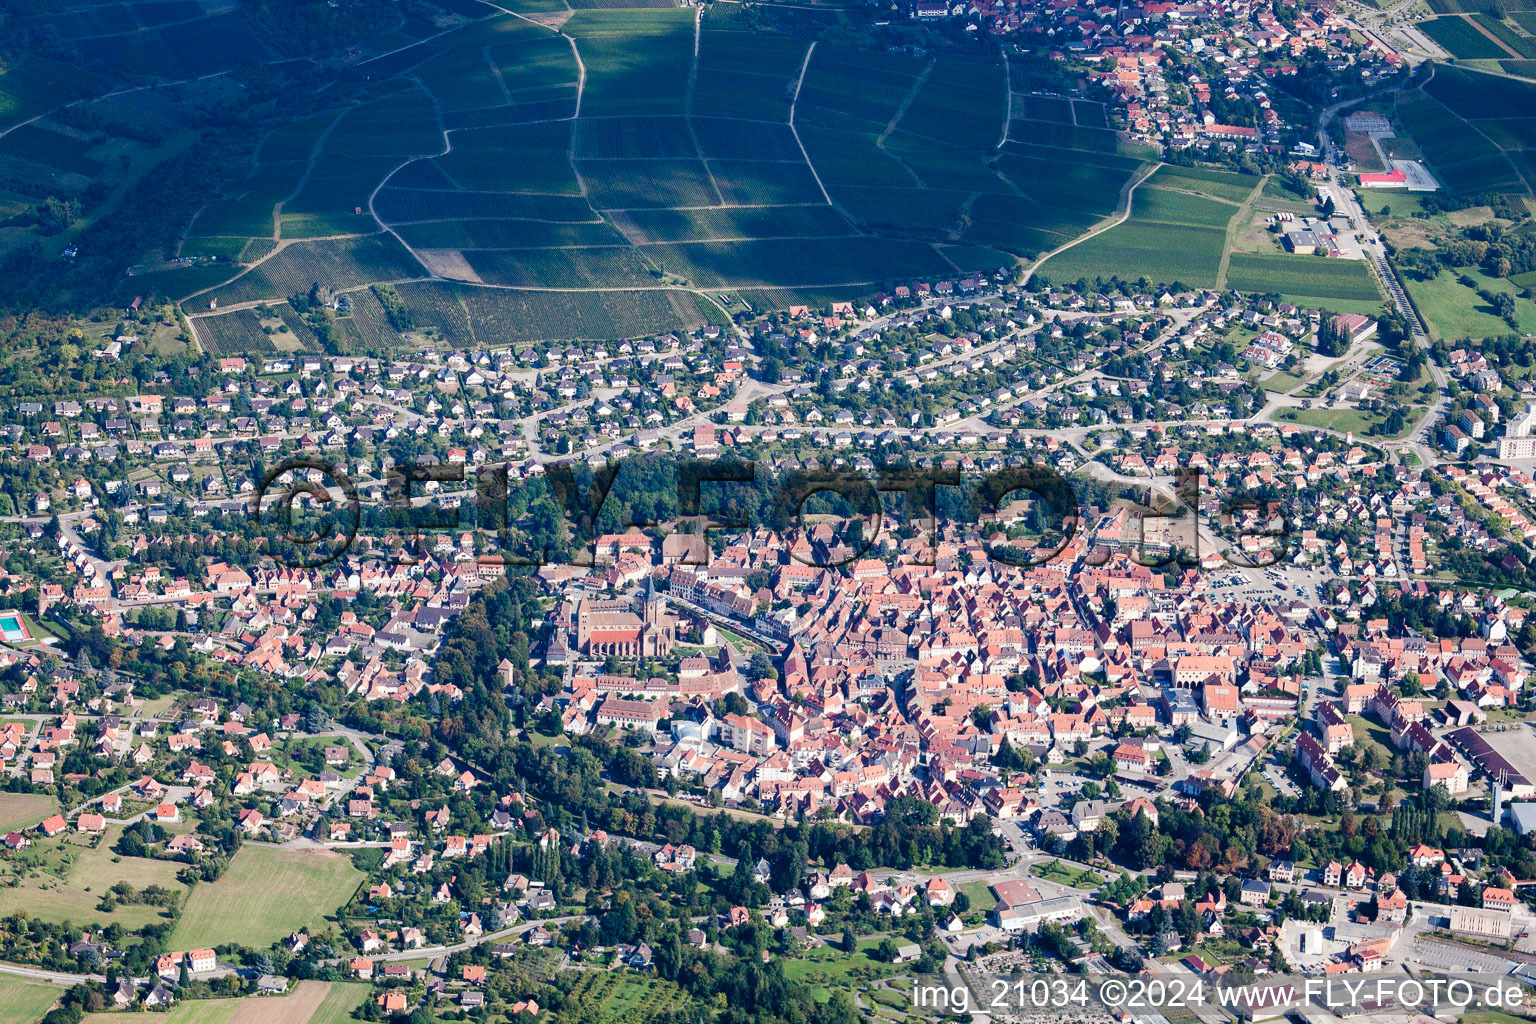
{"x":1456,"y":958}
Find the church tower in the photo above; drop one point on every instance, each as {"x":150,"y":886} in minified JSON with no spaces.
{"x":583,"y":624}
{"x":655,"y":609}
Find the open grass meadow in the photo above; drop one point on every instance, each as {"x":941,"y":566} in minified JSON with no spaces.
{"x":23,"y":1001}
{"x":19,"y":811}
{"x":1354,"y":421}
{"x":1453,"y":310}
{"x":64,"y":878}
{"x":265,"y":894}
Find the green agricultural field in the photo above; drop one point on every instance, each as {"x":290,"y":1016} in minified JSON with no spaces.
{"x":230,"y":334}
{"x":961,"y":103}
{"x":1068,"y":136}
{"x":1461,"y":156}
{"x":1090,"y":114}
{"x":999,"y":217}
{"x":195,"y":1011}
{"x":1460,"y":38}
{"x":976,"y":258}
{"x":339,"y":1002}
{"x":248,"y":209}
{"x":1456,"y":6}
{"x":469,"y":155}
{"x":1506,"y":35}
{"x":919,"y":212}
{"x":561,"y":268}
{"x":1313,"y":276}
{"x":339,"y":263}
{"x":764,"y":182}
{"x":1064,"y":180}
{"x":1044,"y":108}
{"x":513,"y":317}
{"x":1162,"y":253}
{"x":800,"y":262}
{"x":34,"y":84}
{"x":1474,"y":95}
{"x":25,"y":1002}
{"x":1160,"y":204}
{"x":265,"y":894}
{"x":647,"y":184}
{"x":20,"y":811}
{"x":1207,"y":181}
{"x":641,"y":226}
{"x":1078,"y":878}
{"x":637,"y":61}
{"x":505,"y":234}
{"x":980,"y":894}
{"x":854,"y":160}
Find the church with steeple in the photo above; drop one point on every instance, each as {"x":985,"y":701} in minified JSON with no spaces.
{"x":612,"y":629}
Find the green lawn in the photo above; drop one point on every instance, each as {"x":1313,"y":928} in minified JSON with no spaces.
{"x":1344,"y":420}
{"x":25,"y":1002}
{"x":1284,"y":382}
{"x":20,"y":811}
{"x":832,"y":965}
{"x":979,"y":893}
{"x":1062,"y":874}
{"x":264,"y":895}
{"x":1455,"y":311}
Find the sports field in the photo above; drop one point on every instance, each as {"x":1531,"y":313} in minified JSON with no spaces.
{"x":265,"y":894}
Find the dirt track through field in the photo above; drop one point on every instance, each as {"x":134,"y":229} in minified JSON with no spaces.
{"x":294,"y":1008}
